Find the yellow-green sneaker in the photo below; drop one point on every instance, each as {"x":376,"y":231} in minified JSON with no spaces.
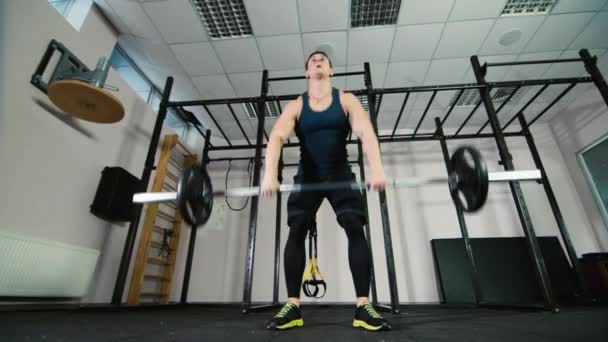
{"x":368,"y":318}
{"x":288,"y":317}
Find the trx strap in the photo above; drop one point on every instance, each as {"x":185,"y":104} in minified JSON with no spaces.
{"x":313,"y":278}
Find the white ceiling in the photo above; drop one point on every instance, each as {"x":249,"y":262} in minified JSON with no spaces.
{"x":431,"y":44}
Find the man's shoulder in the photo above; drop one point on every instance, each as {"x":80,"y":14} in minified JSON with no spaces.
{"x":347,"y":96}
{"x":294,"y":106}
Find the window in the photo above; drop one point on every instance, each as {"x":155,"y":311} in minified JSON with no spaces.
{"x":594,"y":162}
{"x":131,"y":74}
{"x":61,"y":5}
{"x":74,"y":11}
{"x":136,"y":79}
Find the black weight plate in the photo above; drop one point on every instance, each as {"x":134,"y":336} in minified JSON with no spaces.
{"x":470,"y":190}
{"x":195,"y":196}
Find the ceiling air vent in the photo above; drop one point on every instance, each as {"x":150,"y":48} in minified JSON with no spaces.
{"x":365,"y":13}
{"x":272,"y":111}
{"x":363,"y":100}
{"x":527,"y":7}
{"x":471,"y":97}
{"x":224,"y":18}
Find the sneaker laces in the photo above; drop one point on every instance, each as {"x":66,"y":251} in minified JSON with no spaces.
{"x":284,"y":310}
{"x":371,"y":311}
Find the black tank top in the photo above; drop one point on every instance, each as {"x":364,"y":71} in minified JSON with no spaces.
{"x":322,"y":137}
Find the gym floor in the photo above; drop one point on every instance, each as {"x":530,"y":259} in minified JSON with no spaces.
{"x":333,"y":323}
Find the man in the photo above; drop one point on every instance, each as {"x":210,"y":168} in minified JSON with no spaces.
{"x":322,"y":118}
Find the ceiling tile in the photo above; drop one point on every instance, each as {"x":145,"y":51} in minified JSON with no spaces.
{"x":133,"y":16}
{"x":443,"y":100}
{"x":506,"y":28}
{"x":424,"y":11}
{"x":532,"y":71}
{"x":570,"y":69}
{"x":446,"y":71}
{"x":177,"y":21}
{"x":377,"y":71}
{"x":214,"y":86}
{"x":323,"y":15}
{"x":198,"y":58}
{"x":594,"y":36}
{"x":234,"y":133}
{"x":494,"y":74}
{"x":146,"y":52}
{"x":392,"y":103}
{"x":114,"y":18}
{"x":519,"y":100}
{"x":427,"y":124}
{"x":457,"y":117}
{"x":222,"y":114}
{"x":463,"y":38}
{"x":386,"y":121}
{"x":281,"y":52}
{"x":336,"y":41}
{"x":247,"y":84}
{"x":415,"y":42}
{"x":201,"y":115}
{"x":423,"y":99}
{"x":272,"y":17}
{"x":405,"y":74}
{"x":183,"y":88}
{"x":239,"y":111}
{"x":475,"y":9}
{"x":238,"y":55}
{"x":550,"y":94}
{"x":288,"y":87}
{"x":558,"y":31}
{"x":603,"y":64}
{"x":369,"y":45}
{"x":566,"y":6}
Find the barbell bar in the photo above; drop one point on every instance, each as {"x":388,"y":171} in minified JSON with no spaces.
{"x":499,"y":176}
{"x":468,"y":183}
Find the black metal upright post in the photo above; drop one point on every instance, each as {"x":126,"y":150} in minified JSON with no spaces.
{"x":253,"y":214}
{"x":277,"y":238}
{"x":559,"y":219}
{"x":368,"y":232}
{"x":193,"y":229}
{"x":127,"y":252}
{"x":520,"y":203}
{"x":386,"y":227}
{"x":463,"y":225}
{"x":596,"y":75}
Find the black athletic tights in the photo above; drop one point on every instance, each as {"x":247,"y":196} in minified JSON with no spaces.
{"x":358,"y":254}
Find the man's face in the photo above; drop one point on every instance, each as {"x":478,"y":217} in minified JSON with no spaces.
{"x":318,"y":66}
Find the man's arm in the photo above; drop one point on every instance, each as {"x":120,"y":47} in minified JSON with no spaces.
{"x":278,"y":136}
{"x":363,"y":129}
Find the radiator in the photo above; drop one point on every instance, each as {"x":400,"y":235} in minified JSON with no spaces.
{"x":38,"y":268}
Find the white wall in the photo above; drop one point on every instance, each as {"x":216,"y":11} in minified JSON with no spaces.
{"x":51,"y":162}
{"x":584,"y":121}
{"x":417,"y":215}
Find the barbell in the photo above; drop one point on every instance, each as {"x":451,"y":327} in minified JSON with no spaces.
{"x":468,"y":183}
